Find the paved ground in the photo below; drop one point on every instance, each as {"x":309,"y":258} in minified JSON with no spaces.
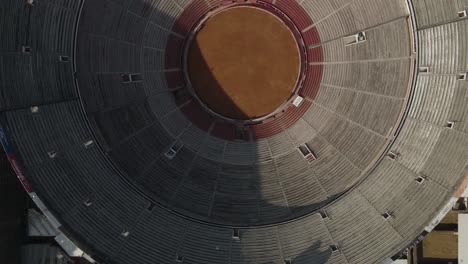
{"x":243,"y":63}
{"x":440,"y":245}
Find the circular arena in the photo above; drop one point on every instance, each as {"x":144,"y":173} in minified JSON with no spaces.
{"x":215,"y":131}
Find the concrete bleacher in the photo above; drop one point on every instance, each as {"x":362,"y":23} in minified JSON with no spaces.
{"x":25,"y":26}
{"x":408,"y":201}
{"x":355,"y":222}
{"x":336,"y":172}
{"x":94,"y":150}
{"x":429,"y":13}
{"x":341,"y":21}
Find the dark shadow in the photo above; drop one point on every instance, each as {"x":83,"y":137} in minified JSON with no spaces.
{"x":13,"y":212}
{"x":313,"y":254}
{"x":202,"y":77}
{"x":137,"y":128}
{"x":187,"y":170}
{"x":137,"y":123}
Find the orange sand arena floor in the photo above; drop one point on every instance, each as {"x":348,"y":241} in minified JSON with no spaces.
{"x":243,"y":63}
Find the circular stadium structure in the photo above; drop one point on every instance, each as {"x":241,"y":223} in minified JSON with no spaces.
{"x":214,"y":131}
